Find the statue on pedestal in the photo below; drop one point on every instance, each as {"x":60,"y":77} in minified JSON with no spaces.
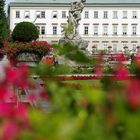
{"x":71,"y":33}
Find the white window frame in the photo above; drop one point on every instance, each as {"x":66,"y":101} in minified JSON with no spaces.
{"x":86,"y":30}
{"x":124,"y":30}
{"x":17,"y":14}
{"x":105,"y":16}
{"x":42,"y":14}
{"x":115,"y":14}
{"x":105,"y":46}
{"x":54,"y":29}
{"x":27,"y":14}
{"x":54,"y":14}
{"x":134,"y":14}
{"x":134,"y":29}
{"x":96,"y":14}
{"x":43,"y":30}
{"x":134,"y":46}
{"x":105,"y":30}
{"x":38,"y":14}
{"x":114,"y":47}
{"x":86,"y":14}
{"x":95,"y":29}
{"x":115,"y":30}
{"x":64,"y":15}
{"x":124,"y":14}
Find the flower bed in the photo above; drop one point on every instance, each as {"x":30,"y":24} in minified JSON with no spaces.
{"x":12,"y":49}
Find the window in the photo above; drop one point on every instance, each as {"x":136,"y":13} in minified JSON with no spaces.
{"x":124,"y":44}
{"x":124,"y":29}
{"x":134,"y":46}
{"x":42,"y":14}
{"x":86,"y":14}
{"x":134,"y":14}
{"x":42,"y":30}
{"x":63,"y":14}
{"x":124,"y":14}
{"x":63,"y":25}
{"x":94,"y":48}
{"x":105,"y":46}
{"x":54,"y":30}
{"x":38,"y":14}
{"x":105,"y":29}
{"x":38,"y":27}
{"x":54,"y":14}
{"x":105,"y":14}
{"x":95,"y":14}
{"x":134,"y":29}
{"x":95,"y":29}
{"x":115,"y":14}
{"x":115,"y":29}
{"x":27,"y":14}
{"x":17,"y":14}
{"x":86,"y":30}
{"x":114,"y":47}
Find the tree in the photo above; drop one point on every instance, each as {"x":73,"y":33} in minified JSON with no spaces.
{"x":25,"y":32}
{"x":4,"y":29}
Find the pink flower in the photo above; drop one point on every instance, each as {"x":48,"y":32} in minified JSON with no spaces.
{"x":10,"y":131}
{"x":122,"y":72}
{"x":98,"y":71}
{"x":120,"y":57}
{"x":6,"y":110}
{"x":21,"y":113}
{"x":16,"y":76}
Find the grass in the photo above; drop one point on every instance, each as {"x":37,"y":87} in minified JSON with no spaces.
{"x":93,"y":83}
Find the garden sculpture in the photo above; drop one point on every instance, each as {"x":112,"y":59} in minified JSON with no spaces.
{"x":71,"y":34}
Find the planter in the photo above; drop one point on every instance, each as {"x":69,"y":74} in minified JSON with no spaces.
{"x":31,"y":59}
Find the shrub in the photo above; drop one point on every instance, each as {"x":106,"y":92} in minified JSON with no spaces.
{"x":25,"y":32}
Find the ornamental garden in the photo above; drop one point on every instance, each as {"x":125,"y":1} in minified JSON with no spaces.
{"x":50,"y":92}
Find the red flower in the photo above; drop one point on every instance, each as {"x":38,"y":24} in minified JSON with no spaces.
{"x":133,"y":93}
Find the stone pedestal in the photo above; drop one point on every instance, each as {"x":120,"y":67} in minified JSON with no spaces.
{"x":77,"y":40}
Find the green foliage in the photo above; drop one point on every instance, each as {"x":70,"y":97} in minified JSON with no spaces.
{"x":73,"y":53}
{"x":45,"y":70}
{"x":69,"y":29}
{"x":25,"y":32}
{"x":79,"y":70}
{"x":135,"y":68}
{"x":96,"y":110}
{"x":91,"y":111}
{"x":4,"y":30}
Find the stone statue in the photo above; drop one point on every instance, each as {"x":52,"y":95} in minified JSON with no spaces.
{"x":71,"y":33}
{"x":76,"y":10}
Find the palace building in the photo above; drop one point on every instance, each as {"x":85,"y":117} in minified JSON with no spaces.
{"x":105,"y":24}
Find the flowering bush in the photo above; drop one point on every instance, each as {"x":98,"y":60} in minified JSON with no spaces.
{"x":109,"y":111}
{"x":13,"y":49}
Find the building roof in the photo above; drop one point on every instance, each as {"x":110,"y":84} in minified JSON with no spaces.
{"x":87,"y":1}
